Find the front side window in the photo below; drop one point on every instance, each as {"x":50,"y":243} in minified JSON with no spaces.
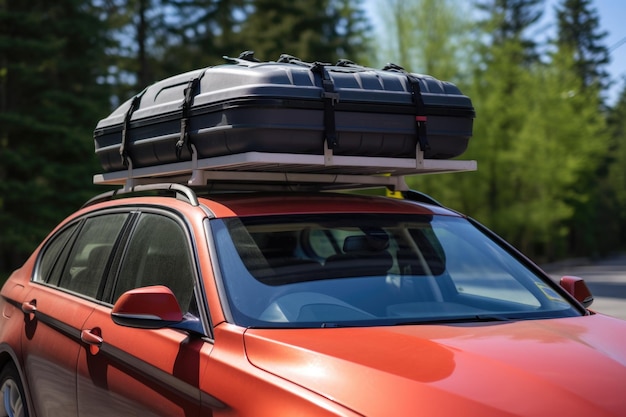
{"x":158,"y":254}
{"x":361,"y":269}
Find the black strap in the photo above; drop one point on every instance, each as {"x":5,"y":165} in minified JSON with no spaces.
{"x":330,"y":98}
{"x":420,"y":114}
{"x":134,"y":104}
{"x":290,"y":59}
{"x":420,"y":110}
{"x":347,"y":63}
{"x":190,"y":91}
{"x":248,"y":56}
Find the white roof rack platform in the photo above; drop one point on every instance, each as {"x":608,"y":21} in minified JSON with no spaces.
{"x":251,"y":169}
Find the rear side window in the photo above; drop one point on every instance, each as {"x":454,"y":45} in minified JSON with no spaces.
{"x":158,"y":254}
{"x":90,"y":253}
{"x":52,"y":259}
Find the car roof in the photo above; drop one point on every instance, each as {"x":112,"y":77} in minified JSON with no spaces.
{"x":253,"y":204}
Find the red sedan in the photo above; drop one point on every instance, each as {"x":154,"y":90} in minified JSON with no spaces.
{"x":257,"y":304}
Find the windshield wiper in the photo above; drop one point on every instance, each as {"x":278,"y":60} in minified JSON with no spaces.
{"x":477,"y":318}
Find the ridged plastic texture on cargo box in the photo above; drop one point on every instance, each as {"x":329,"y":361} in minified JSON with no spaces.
{"x":280,"y":108}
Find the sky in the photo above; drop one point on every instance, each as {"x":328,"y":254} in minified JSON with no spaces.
{"x":612,"y":14}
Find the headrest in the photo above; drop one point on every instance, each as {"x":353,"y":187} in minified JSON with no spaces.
{"x":373,"y":241}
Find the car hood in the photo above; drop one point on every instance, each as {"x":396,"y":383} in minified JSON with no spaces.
{"x":573,"y":367}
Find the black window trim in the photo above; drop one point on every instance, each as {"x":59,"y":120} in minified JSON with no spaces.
{"x":77,"y":225}
{"x":105,"y":291}
{"x":217,"y":274}
{"x":80,"y":222}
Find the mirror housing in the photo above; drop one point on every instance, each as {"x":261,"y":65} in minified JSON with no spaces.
{"x":151,"y":307}
{"x":578,"y":289}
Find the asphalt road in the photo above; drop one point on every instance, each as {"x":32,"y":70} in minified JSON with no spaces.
{"x":605,"y":278}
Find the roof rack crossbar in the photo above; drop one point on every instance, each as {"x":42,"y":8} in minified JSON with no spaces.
{"x":188,"y":193}
{"x":327,"y":170}
{"x":323,"y":181}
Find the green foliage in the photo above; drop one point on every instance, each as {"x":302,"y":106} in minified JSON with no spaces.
{"x":558,"y":148}
{"x":611,"y":189}
{"x":202,"y":32}
{"x":444,"y":49}
{"x":578,"y":33}
{"x":510,"y":20}
{"x":616,"y":171}
{"x":137,"y":41}
{"x":540,"y":138}
{"x":64,"y":64}
{"x":50,"y":58}
{"x":315,"y":30}
{"x":580,"y":51}
{"x":153,"y":39}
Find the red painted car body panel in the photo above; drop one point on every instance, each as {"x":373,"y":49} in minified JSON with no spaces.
{"x":159,"y":367}
{"x":525,"y":368}
{"x":50,"y":353}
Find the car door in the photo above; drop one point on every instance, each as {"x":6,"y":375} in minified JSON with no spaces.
{"x":61,"y":297}
{"x":141,"y":372}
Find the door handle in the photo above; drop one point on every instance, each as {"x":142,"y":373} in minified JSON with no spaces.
{"x":93,"y":338}
{"x":29,"y":307}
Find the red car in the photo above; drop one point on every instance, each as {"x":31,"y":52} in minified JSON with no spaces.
{"x":294,"y":304}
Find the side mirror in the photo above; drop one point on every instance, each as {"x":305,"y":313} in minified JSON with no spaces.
{"x":578,"y":289}
{"x":152,"y":307}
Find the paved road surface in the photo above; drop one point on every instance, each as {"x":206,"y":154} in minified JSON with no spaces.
{"x":606,"y":279}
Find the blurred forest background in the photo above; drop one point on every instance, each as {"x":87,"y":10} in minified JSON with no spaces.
{"x":551,"y":151}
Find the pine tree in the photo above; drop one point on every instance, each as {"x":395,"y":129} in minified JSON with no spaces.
{"x":316,"y":30}
{"x":50,"y":60}
{"x":201,"y":32}
{"x":431,"y":37}
{"x":509,"y":21}
{"x":565,"y":140}
{"x":613,"y":190}
{"x":137,"y":38}
{"x":579,"y":33}
{"x":428,"y":36}
{"x":500,"y":118}
{"x":507,"y":56}
{"x":617,"y":149}
{"x":580,"y":39}
{"x":153,"y":39}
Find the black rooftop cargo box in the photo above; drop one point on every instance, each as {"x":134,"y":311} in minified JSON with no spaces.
{"x":289,"y":107}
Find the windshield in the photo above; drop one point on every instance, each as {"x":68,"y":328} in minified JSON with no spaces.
{"x":330,"y":270}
